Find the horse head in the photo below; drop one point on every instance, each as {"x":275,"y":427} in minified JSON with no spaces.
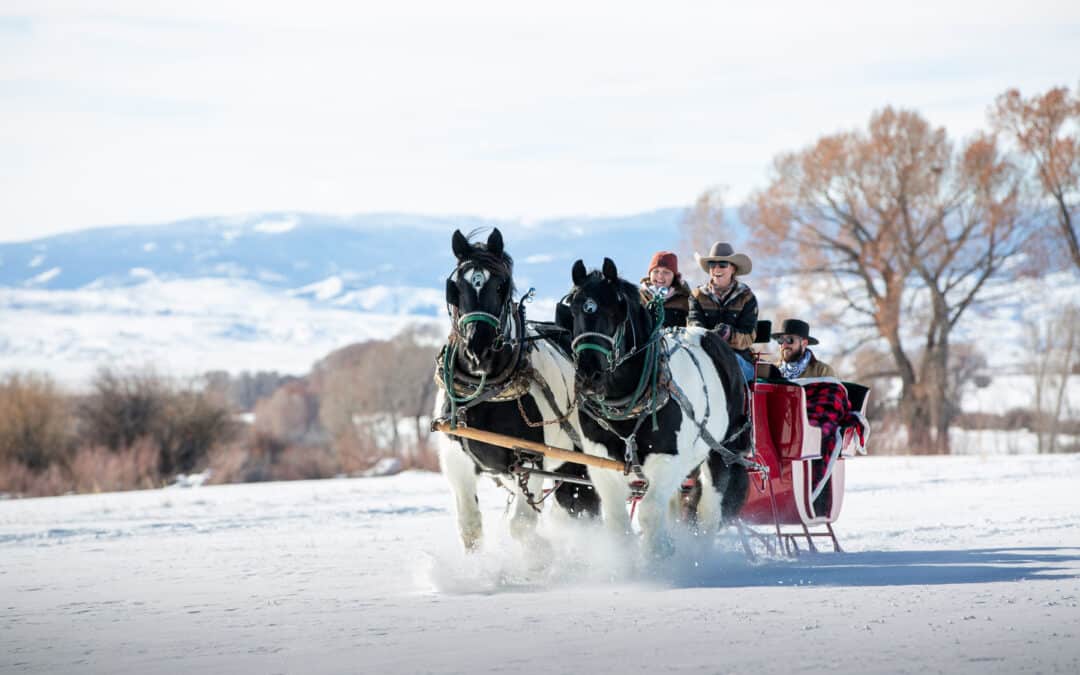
{"x":480,"y":291}
{"x":606,"y":319}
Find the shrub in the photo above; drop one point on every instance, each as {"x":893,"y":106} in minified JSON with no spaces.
{"x":33,"y":422}
{"x":126,"y":409}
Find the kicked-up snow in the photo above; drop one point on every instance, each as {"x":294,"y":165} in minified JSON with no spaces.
{"x":953,"y":565}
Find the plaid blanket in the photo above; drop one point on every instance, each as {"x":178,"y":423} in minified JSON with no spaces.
{"x":828,"y":408}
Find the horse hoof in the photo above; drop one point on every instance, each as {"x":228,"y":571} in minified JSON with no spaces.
{"x":472,"y":542}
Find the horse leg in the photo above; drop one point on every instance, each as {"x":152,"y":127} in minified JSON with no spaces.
{"x":524,"y":516}
{"x":460,"y":472}
{"x":580,"y":501}
{"x":729,"y":487}
{"x":665,"y":474}
{"x":708,"y":506}
{"x":612,"y":489}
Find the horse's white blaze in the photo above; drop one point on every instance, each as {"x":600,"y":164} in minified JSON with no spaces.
{"x":476,"y":277}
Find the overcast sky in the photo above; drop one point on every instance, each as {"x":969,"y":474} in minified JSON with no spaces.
{"x":125,"y":112}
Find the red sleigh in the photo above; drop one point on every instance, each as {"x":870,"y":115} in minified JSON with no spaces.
{"x":790,"y":446}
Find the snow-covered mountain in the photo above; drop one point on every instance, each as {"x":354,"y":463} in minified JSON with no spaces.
{"x":270,"y":291}
{"x":329,"y":258}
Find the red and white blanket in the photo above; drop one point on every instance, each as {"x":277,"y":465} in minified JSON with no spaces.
{"x":829,"y":408}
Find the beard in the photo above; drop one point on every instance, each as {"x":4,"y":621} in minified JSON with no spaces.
{"x":792,"y":353}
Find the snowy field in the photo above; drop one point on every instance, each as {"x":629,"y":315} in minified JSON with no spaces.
{"x":954,"y":565}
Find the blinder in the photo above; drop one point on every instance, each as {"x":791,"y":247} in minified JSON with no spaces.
{"x":616,"y":343}
{"x":460,"y":322}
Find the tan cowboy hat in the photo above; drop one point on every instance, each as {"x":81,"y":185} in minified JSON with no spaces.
{"x":722,"y":251}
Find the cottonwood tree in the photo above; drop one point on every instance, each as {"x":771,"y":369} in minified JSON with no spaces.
{"x":1046,"y":130}
{"x":365,"y":390}
{"x":906,"y":230}
{"x":701,"y":225}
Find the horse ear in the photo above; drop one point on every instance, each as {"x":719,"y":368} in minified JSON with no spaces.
{"x":453,"y":295}
{"x":610,"y":273}
{"x":462,"y":247}
{"x":579,"y":273}
{"x":495,"y":242}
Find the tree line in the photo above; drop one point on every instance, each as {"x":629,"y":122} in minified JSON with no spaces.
{"x":905,"y":226}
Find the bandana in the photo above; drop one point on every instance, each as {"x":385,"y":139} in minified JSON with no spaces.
{"x":790,"y":371}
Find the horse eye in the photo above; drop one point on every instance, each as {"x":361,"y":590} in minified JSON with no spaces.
{"x":589,"y":307}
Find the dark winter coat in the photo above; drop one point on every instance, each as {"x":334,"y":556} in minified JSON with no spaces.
{"x":676,"y":305}
{"x":737,"y":308}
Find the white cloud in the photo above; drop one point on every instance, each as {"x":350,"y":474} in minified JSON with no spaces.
{"x":135,"y":113}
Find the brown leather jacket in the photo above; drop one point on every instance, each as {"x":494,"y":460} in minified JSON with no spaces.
{"x":737,"y":308}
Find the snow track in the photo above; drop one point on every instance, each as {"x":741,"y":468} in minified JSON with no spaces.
{"x":955,"y":565}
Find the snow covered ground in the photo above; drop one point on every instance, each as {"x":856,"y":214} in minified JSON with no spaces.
{"x":954,"y":565}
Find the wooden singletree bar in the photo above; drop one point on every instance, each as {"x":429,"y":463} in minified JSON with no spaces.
{"x":512,"y":443}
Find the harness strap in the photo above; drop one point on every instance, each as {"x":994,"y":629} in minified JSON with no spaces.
{"x":720,"y":447}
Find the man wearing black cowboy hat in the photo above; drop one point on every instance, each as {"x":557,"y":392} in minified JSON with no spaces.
{"x":796,"y":361}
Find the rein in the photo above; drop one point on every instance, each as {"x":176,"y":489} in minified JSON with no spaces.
{"x":449,"y":377}
{"x":645,"y":400}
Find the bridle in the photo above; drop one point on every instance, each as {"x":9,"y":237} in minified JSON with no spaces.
{"x":615,"y":350}
{"x":500,"y":323}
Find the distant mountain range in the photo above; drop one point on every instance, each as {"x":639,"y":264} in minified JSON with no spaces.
{"x":272,"y":291}
{"x":329,"y":259}
{"x":278,"y":291}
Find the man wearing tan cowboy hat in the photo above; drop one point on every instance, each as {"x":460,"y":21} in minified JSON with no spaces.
{"x":796,"y":360}
{"x":725,"y":304}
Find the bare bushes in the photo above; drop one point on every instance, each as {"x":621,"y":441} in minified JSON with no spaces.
{"x":133,"y":430}
{"x":128,"y":407}
{"x":33,"y":427}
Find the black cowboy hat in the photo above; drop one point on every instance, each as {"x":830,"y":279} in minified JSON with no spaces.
{"x":795,"y":327}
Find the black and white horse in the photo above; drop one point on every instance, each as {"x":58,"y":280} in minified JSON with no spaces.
{"x":499,"y":375}
{"x":663,"y":402}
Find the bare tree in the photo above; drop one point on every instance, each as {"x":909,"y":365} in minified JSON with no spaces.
{"x":702,"y":224}
{"x":1046,"y":130}
{"x":366,"y":390}
{"x":906,"y":230}
{"x":1055,"y":353}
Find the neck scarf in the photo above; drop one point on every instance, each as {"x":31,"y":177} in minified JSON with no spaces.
{"x":790,"y":371}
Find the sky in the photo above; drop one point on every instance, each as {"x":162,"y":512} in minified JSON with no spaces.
{"x":132,"y":112}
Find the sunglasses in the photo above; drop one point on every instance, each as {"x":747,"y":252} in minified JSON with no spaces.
{"x":788,"y":339}
{"x":723,"y":264}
